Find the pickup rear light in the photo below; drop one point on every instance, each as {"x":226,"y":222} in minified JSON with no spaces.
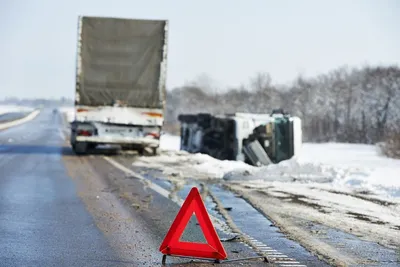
{"x":84,"y":133}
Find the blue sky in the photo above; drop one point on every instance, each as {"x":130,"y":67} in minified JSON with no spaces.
{"x":228,"y":40}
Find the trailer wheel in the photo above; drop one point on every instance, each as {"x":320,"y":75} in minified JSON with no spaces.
{"x":141,"y":151}
{"x":92,"y":146}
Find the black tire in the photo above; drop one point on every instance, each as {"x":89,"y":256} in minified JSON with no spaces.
{"x":92,"y":146}
{"x":141,"y":151}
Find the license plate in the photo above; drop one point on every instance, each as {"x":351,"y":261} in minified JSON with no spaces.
{"x":122,"y":132}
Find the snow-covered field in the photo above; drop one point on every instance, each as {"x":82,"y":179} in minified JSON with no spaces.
{"x":346,"y":186}
{"x":14,"y":108}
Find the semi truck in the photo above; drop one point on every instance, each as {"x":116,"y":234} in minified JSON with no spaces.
{"x":121,"y":68}
{"x":257,"y":139}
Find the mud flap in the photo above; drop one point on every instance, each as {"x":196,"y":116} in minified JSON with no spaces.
{"x":256,"y":154}
{"x":80,"y":148}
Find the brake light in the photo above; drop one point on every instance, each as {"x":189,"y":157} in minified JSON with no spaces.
{"x":154,"y":135}
{"x":82,"y":110}
{"x":153,"y":114}
{"x":84,"y":133}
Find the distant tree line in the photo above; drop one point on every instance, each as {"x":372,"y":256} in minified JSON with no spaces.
{"x":36,"y":102}
{"x":358,"y":105}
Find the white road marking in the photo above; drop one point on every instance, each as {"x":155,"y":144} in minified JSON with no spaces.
{"x":163,"y":192}
{"x":62,"y":135}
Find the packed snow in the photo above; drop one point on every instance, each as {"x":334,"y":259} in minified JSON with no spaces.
{"x":169,"y":142}
{"x":30,"y":116}
{"x":351,"y":187}
{"x":14,"y":108}
{"x":351,"y":166}
{"x":181,"y":164}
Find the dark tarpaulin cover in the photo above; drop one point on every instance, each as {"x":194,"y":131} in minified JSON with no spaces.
{"x":119,"y":60}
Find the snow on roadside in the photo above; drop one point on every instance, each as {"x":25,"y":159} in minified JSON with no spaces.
{"x":350,"y":187}
{"x":346,"y":186}
{"x":343,"y":166}
{"x":170,"y":142}
{"x":14,"y":108}
{"x":13,"y":123}
{"x":69,"y":112}
{"x":368,"y":217}
{"x":181,"y":164}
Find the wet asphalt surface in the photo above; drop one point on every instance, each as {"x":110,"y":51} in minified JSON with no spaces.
{"x":6,"y":117}
{"x":58,"y":209}
{"x":42,"y":221}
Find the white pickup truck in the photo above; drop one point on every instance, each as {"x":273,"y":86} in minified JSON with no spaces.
{"x":120,"y":83}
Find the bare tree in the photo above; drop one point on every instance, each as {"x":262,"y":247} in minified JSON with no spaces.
{"x":344,"y":105}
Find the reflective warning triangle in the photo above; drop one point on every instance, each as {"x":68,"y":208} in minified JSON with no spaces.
{"x":172,"y":245}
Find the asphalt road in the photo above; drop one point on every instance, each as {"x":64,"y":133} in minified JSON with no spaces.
{"x":58,"y":209}
{"x":6,"y":117}
{"x":42,"y":221}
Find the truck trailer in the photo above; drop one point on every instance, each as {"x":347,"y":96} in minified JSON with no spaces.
{"x":120,"y":83}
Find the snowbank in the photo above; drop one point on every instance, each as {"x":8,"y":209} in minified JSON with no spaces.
{"x":366,"y":163}
{"x":181,"y":164}
{"x":345,"y":186}
{"x":358,"y":167}
{"x":344,"y":166}
{"x":170,"y":142}
{"x":9,"y":124}
{"x":14,"y":108}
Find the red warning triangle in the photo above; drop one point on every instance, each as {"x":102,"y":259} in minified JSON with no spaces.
{"x":172,"y":244}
